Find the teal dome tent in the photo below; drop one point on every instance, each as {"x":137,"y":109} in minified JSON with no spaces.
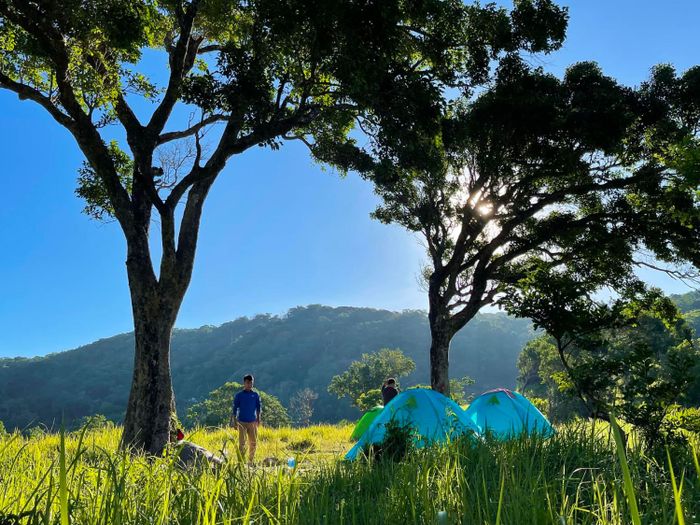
{"x":505,"y":414}
{"x":365,"y":421}
{"x":434,"y":418}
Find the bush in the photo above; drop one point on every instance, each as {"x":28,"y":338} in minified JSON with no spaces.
{"x":399,"y":441}
{"x":540,"y":403}
{"x":3,"y":432}
{"x":36,"y":432}
{"x":96,"y":422}
{"x":369,"y":399}
{"x":680,"y":421}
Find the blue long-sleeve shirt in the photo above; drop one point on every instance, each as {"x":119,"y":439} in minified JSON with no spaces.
{"x":246,"y":406}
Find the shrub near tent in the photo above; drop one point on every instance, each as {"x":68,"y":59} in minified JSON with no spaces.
{"x":504,"y":414}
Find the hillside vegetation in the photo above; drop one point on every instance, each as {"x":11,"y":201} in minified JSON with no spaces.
{"x":304,"y":348}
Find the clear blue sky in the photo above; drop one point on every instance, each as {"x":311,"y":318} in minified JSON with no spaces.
{"x":277,"y":231}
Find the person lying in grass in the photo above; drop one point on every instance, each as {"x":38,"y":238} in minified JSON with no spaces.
{"x":246,"y":417}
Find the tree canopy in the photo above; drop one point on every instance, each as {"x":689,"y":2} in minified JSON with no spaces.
{"x":368,"y":374}
{"x":573,"y":170}
{"x":301,"y":406}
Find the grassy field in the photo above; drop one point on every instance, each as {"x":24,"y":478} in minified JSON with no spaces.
{"x":574,"y":478}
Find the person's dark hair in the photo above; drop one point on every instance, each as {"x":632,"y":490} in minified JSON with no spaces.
{"x":391,"y":381}
{"x":248,"y":377}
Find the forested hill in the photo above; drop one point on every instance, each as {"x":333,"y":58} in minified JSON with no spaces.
{"x":303,"y":348}
{"x":689,"y":304}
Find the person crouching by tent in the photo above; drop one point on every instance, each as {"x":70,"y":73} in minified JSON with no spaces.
{"x":246,"y":417}
{"x":389,"y":390}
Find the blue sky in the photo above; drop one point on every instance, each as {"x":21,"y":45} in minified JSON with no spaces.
{"x":277,"y":231}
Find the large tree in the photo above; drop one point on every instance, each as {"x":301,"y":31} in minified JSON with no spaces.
{"x":536,"y":167}
{"x":250,"y":73}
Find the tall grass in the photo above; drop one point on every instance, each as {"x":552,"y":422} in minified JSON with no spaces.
{"x":576,"y":477}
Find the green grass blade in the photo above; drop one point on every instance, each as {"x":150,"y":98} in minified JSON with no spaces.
{"x":676,"y":491}
{"x":627,"y":478}
{"x":62,"y":481}
{"x":500,"y":500}
{"x":249,"y":510}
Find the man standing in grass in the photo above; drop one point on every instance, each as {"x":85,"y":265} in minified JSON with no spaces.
{"x":246,"y":417}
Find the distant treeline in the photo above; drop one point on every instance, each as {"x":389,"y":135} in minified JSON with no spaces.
{"x":304,"y":348}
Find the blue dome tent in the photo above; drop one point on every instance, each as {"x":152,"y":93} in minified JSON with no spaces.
{"x":505,"y":414}
{"x":434,"y":418}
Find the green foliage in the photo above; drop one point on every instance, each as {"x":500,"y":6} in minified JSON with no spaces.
{"x":693,"y":319}
{"x":678,"y":418}
{"x":633,"y":357}
{"x":91,"y":189}
{"x":688,"y":302}
{"x":399,"y":441}
{"x":217,"y":408}
{"x":369,"y":399}
{"x":457,"y":389}
{"x":3,"y":431}
{"x":540,"y":404}
{"x":543,"y":380}
{"x":301,"y":406}
{"x":95,"y":422}
{"x":368,"y":373}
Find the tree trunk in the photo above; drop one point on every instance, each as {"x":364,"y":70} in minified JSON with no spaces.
{"x":148,"y":421}
{"x":441,"y":336}
{"x":155,"y":304}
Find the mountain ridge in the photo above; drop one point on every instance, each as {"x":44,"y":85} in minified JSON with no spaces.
{"x":304,"y":347}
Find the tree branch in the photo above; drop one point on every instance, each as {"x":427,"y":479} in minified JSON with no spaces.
{"x":125,"y":114}
{"x":135,"y":138}
{"x":209,"y":48}
{"x":181,"y":60}
{"x":25,"y":92}
{"x":301,"y":138}
{"x":679,"y":275}
{"x":175,"y":135}
{"x":230,"y":145}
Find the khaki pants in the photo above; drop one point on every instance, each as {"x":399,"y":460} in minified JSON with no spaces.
{"x":249,"y":431}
